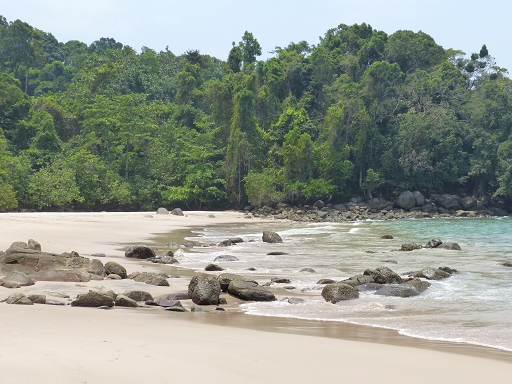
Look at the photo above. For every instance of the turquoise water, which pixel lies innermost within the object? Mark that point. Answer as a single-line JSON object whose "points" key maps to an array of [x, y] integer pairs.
{"points": [[473, 306]]}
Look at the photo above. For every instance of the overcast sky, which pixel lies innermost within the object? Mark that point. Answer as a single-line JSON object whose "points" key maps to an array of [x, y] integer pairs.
{"points": [[212, 25]]}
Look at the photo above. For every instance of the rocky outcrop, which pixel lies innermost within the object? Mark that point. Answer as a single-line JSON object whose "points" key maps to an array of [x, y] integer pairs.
{"points": [[271, 237], [204, 290], [139, 252], [339, 292]]}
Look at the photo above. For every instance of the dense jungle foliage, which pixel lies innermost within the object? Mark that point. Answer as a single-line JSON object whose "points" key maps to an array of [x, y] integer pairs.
{"points": [[360, 113]]}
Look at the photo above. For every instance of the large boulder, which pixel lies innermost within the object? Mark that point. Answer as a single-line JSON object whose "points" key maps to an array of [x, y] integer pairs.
{"points": [[93, 299], [140, 252], [151, 278], [418, 198], [96, 267], [450, 202], [125, 301], [338, 292], [204, 290], [469, 203], [390, 276], [271, 237], [115, 268], [18, 278], [406, 200], [162, 211], [250, 291], [177, 212]]}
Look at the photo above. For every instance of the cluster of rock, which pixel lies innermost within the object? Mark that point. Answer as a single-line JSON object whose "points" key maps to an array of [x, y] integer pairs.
{"points": [[164, 211], [407, 205], [433, 243], [384, 282], [205, 289], [24, 263]]}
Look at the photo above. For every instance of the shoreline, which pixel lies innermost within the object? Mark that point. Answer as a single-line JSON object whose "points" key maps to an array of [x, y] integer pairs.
{"points": [[250, 329]]}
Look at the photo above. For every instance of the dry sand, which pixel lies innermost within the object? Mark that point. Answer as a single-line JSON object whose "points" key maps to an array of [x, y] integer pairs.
{"points": [[60, 344]]}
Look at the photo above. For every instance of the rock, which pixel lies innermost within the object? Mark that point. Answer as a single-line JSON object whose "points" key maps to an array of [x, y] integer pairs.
{"points": [[163, 260], [432, 274], [398, 291], [18, 298], [19, 278], [390, 276], [93, 299], [376, 275], [308, 270], [177, 212], [319, 204], [387, 237], [222, 301], [326, 281], [162, 211], [18, 245], [188, 244], [173, 244], [410, 247], [124, 301], [114, 268], [406, 200], [419, 285], [451, 246], [271, 237], [98, 255], [433, 243], [249, 291], [96, 267], [8, 284], [295, 300], [225, 258], [279, 280], [451, 271], [220, 309], [151, 278], [338, 292], [37, 298], [277, 253], [213, 267], [340, 207], [176, 307], [236, 240], [390, 261], [211, 216], [368, 287], [63, 275], [380, 204], [32, 244], [197, 308], [226, 278], [418, 198], [506, 263], [178, 296], [139, 252], [468, 203], [204, 290], [138, 295], [225, 243], [450, 202], [113, 276]]}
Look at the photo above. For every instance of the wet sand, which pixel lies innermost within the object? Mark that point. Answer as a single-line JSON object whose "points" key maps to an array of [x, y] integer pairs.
{"points": [[50, 344]]}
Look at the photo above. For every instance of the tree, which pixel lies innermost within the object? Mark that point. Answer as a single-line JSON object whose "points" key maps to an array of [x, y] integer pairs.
{"points": [[371, 182]]}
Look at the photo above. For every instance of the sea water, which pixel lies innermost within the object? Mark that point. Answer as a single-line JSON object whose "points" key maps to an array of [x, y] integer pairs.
{"points": [[472, 306]]}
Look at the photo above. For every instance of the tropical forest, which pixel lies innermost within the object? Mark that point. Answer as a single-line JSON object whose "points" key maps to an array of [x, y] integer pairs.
{"points": [[359, 113]]}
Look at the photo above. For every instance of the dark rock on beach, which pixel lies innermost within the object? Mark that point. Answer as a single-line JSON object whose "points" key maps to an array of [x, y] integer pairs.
{"points": [[213, 267], [434, 243], [339, 292], [398, 291], [226, 278], [326, 281], [276, 253], [204, 290], [93, 299], [139, 252], [308, 270], [19, 298], [125, 301], [138, 295], [410, 246], [419, 285], [115, 268], [225, 258]]}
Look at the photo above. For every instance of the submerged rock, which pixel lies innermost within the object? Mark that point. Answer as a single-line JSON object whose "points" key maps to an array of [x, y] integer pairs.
{"points": [[271, 237], [398, 291]]}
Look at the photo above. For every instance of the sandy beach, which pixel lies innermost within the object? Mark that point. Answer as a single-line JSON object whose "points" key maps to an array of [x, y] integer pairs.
{"points": [[61, 344]]}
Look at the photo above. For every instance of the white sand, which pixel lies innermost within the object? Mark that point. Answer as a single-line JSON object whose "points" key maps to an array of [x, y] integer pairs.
{"points": [[60, 344]]}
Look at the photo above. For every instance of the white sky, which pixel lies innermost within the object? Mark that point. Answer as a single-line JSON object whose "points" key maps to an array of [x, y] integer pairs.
{"points": [[212, 25]]}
